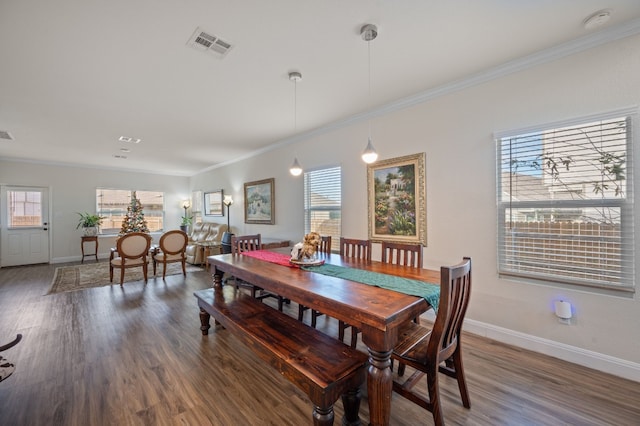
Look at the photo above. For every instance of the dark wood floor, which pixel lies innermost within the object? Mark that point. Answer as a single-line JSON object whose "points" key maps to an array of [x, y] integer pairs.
{"points": [[135, 356]]}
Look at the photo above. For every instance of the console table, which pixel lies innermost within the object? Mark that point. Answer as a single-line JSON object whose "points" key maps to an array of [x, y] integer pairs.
{"points": [[85, 239]]}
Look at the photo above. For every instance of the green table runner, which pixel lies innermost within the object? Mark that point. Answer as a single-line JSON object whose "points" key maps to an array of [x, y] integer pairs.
{"points": [[429, 291]]}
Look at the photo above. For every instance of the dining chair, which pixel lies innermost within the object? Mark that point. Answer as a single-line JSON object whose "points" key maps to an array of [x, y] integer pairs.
{"points": [[353, 249], [243, 243], [324, 247], [172, 249], [402, 254], [131, 251], [438, 349]]}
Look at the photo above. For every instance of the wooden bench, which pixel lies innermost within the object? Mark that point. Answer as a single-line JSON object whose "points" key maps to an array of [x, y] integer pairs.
{"points": [[322, 367]]}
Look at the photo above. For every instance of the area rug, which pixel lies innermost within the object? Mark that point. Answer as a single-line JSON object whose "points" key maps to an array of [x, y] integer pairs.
{"points": [[80, 277]]}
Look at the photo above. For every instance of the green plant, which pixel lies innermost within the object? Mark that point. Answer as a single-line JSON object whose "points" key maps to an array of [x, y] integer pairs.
{"points": [[88, 220], [186, 220]]}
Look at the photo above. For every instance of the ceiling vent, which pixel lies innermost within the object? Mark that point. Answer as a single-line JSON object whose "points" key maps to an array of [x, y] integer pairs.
{"points": [[129, 140], [206, 42], [5, 135]]}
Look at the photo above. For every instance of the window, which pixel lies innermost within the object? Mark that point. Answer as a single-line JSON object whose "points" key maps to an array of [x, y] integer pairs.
{"points": [[323, 203], [196, 206], [112, 205], [565, 204], [25, 209]]}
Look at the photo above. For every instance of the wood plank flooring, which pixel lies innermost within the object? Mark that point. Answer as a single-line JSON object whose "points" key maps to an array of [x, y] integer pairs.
{"points": [[135, 356]]}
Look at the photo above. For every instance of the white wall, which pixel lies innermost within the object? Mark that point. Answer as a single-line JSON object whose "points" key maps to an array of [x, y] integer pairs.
{"points": [[73, 189], [456, 133]]}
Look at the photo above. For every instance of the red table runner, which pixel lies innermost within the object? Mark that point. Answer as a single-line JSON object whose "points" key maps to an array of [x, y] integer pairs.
{"points": [[271, 256]]}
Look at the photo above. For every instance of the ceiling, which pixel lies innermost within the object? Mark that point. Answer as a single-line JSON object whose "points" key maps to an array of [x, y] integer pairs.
{"points": [[77, 75]]}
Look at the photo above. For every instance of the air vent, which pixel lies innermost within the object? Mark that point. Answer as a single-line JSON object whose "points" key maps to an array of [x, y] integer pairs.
{"points": [[122, 157], [129, 140], [5, 135], [206, 42]]}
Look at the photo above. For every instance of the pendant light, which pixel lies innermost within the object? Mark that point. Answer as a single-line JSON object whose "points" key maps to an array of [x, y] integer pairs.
{"points": [[369, 32], [296, 169]]}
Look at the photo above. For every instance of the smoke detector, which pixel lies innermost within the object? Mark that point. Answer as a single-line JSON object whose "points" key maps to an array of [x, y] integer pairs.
{"points": [[207, 42], [597, 19]]}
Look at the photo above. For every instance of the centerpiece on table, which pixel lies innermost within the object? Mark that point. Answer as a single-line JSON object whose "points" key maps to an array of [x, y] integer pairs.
{"points": [[304, 253]]}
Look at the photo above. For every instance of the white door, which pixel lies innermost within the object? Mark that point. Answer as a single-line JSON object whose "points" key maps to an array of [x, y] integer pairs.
{"points": [[24, 225]]}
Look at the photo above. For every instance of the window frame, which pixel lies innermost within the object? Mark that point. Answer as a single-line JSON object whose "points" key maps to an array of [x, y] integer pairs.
{"points": [[628, 240]]}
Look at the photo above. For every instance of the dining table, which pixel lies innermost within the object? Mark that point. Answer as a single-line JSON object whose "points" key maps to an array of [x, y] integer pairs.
{"points": [[377, 312]]}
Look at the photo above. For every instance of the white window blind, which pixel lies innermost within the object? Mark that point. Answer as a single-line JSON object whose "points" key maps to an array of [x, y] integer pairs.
{"points": [[565, 204], [323, 203]]}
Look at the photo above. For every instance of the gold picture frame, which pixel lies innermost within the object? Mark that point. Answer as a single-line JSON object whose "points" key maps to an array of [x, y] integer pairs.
{"points": [[397, 200], [260, 202]]}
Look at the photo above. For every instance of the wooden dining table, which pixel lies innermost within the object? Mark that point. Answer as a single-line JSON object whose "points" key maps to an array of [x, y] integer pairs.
{"points": [[375, 311]]}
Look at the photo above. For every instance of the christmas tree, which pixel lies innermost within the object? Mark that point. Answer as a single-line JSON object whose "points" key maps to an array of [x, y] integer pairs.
{"points": [[134, 220]]}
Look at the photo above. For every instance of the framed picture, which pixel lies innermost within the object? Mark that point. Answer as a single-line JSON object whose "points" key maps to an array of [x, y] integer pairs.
{"points": [[260, 202], [396, 200], [213, 203]]}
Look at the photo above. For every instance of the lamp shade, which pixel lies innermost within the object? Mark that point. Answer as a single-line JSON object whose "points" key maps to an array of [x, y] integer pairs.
{"points": [[227, 200], [295, 169], [369, 155]]}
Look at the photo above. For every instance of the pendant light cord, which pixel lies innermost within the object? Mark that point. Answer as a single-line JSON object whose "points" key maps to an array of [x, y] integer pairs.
{"points": [[295, 107], [370, 100]]}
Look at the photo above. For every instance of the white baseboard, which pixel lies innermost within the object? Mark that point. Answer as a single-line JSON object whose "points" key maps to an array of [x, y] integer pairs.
{"points": [[597, 361]]}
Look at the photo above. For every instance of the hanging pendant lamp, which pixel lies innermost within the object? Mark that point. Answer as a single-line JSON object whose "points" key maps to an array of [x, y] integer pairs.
{"points": [[295, 169], [369, 32]]}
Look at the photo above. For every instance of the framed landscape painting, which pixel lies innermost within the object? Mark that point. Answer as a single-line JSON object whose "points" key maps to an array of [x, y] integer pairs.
{"points": [[213, 203], [259, 202], [396, 200]]}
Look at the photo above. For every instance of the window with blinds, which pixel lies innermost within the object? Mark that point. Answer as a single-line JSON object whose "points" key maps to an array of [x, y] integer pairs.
{"points": [[112, 204], [565, 204], [323, 203]]}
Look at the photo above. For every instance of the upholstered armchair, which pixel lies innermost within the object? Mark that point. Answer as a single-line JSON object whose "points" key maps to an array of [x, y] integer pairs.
{"points": [[172, 248], [203, 232], [132, 250]]}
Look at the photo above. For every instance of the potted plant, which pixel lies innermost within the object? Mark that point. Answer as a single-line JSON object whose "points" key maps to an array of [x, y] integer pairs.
{"points": [[89, 223], [186, 222]]}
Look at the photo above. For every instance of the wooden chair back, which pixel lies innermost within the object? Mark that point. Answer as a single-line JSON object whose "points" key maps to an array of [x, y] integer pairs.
{"points": [[402, 254], [455, 289], [358, 249], [325, 244], [246, 243]]}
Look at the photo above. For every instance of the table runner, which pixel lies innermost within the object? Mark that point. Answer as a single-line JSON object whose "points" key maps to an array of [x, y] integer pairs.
{"points": [[429, 291], [271, 256]]}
